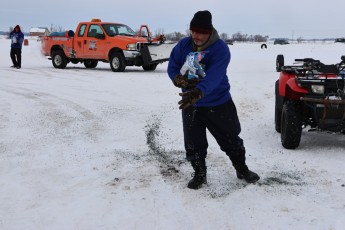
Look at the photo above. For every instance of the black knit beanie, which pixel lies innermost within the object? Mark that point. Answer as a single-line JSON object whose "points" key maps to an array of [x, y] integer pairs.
{"points": [[202, 22], [17, 27]]}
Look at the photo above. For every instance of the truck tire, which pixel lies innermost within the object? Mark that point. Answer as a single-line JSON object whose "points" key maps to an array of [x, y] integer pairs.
{"points": [[278, 108], [291, 125], [59, 59], [279, 62], [74, 61], [117, 62], [90, 64], [150, 67]]}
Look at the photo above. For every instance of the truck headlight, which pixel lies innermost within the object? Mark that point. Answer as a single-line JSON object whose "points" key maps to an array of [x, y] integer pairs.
{"points": [[318, 89], [132, 47]]}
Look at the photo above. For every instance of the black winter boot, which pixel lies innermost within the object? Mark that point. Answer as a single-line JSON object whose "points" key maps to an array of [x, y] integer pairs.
{"points": [[248, 175], [242, 171], [199, 177]]}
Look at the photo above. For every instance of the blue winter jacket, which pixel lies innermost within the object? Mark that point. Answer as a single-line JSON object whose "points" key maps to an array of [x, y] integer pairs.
{"points": [[19, 37], [215, 85]]}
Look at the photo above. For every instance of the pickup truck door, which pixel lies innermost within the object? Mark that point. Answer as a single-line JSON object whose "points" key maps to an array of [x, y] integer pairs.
{"points": [[79, 41], [95, 43], [90, 42]]}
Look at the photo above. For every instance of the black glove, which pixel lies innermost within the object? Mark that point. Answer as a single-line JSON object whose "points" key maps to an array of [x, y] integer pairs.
{"points": [[182, 81], [189, 98]]}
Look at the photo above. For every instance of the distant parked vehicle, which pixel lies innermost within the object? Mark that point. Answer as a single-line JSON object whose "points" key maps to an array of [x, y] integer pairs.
{"points": [[281, 42], [229, 41], [340, 40]]}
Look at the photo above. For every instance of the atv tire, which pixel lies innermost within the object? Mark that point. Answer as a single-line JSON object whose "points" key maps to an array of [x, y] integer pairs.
{"points": [[278, 108], [117, 62], [90, 64], [279, 62], [291, 125], [59, 59]]}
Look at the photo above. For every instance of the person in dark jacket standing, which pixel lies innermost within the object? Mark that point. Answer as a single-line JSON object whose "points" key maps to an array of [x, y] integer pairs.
{"points": [[198, 65], [17, 38]]}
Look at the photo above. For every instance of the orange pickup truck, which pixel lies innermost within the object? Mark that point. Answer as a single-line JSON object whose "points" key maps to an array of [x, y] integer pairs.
{"points": [[113, 43]]}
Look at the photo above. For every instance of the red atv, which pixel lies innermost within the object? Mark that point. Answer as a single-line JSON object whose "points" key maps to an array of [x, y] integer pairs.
{"points": [[309, 94]]}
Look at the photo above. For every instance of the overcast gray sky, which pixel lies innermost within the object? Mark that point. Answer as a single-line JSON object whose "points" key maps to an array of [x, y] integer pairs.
{"points": [[275, 18]]}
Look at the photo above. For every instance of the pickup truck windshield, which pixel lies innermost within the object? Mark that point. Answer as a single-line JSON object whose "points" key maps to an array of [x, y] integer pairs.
{"points": [[118, 29]]}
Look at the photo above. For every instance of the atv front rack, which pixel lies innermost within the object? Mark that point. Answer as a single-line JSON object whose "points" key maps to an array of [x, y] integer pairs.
{"points": [[322, 108]]}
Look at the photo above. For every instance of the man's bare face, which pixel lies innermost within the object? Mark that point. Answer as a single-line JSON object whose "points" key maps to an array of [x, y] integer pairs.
{"points": [[199, 39]]}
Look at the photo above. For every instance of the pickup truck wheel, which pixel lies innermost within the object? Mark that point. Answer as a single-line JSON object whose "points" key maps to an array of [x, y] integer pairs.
{"points": [[291, 125], [150, 67], [117, 62], [90, 64], [74, 61], [59, 59]]}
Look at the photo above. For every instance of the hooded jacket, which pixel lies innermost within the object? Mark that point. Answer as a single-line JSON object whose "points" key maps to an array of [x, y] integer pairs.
{"points": [[17, 38], [215, 85]]}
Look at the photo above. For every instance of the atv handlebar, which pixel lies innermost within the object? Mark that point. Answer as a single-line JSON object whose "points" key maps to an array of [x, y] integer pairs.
{"points": [[309, 64], [307, 60]]}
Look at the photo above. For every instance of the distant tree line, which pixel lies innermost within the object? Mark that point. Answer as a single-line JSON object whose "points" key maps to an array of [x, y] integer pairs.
{"points": [[239, 37], [176, 36], [249, 38], [55, 28]]}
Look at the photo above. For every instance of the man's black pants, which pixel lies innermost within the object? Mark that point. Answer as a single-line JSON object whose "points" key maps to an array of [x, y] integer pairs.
{"points": [[221, 121], [16, 56]]}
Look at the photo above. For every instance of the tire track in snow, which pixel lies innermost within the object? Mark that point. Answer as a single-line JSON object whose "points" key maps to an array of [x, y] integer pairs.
{"points": [[61, 117]]}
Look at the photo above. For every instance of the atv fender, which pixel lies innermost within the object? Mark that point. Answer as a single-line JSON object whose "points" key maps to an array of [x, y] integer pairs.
{"points": [[283, 78], [293, 91], [292, 84]]}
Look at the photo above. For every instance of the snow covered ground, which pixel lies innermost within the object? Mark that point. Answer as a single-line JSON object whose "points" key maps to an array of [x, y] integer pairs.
{"points": [[93, 149]]}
